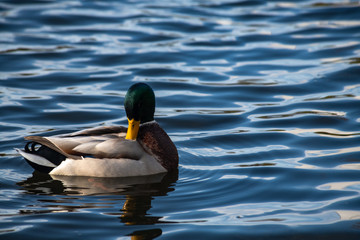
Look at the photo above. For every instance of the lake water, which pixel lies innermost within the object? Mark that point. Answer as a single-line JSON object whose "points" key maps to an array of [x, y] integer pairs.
{"points": [[261, 98]]}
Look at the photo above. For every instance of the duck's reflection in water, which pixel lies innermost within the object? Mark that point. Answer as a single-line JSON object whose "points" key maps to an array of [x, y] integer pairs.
{"points": [[134, 194]]}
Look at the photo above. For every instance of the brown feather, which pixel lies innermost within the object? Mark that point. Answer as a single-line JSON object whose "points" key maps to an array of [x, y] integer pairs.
{"points": [[156, 141], [99, 131]]}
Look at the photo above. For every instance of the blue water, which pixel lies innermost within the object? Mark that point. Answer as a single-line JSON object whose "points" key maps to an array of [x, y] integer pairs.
{"points": [[261, 99]]}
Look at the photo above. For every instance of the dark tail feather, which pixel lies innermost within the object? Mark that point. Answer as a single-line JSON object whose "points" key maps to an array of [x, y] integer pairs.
{"points": [[40, 157]]}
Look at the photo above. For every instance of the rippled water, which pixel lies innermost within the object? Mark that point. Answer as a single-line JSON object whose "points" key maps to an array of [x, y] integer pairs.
{"points": [[260, 97]]}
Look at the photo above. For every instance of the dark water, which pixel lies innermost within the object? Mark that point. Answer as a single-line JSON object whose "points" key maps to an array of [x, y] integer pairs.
{"points": [[261, 99]]}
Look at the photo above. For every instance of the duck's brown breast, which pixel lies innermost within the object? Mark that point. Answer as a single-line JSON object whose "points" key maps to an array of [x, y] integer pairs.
{"points": [[156, 141]]}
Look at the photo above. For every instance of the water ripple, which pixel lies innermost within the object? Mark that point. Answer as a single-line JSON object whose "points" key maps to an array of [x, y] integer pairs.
{"points": [[260, 97]]}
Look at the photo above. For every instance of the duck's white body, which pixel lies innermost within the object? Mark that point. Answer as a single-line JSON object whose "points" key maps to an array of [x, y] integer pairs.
{"points": [[138, 162], [104, 167], [99, 152], [109, 167]]}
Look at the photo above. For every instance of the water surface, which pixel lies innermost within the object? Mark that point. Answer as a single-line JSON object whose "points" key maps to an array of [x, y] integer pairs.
{"points": [[261, 99]]}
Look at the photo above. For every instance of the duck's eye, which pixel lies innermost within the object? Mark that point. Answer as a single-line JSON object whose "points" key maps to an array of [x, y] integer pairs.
{"points": [[140, 105]]}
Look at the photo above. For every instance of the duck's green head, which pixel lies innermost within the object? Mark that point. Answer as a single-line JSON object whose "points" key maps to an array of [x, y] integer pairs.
{"points": [[139, 107]]}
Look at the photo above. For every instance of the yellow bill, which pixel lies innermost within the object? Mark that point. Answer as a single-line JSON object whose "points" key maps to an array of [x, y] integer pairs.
{"points": [[133, 129]]}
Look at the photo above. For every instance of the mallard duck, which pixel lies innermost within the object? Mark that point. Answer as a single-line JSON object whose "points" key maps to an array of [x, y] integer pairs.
{"points": [[143, 148]]}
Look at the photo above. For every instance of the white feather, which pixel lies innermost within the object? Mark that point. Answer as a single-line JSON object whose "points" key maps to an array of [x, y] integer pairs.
{"points": [[109, 167]]}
